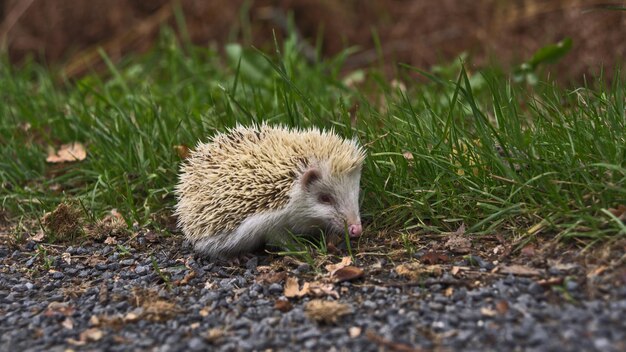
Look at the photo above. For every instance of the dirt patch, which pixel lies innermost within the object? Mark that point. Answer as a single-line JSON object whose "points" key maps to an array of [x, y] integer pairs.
{"points": [[419, 33]]}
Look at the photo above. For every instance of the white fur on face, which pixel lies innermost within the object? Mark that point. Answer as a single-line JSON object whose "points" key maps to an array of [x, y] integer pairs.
{"points": [[310, 213]]}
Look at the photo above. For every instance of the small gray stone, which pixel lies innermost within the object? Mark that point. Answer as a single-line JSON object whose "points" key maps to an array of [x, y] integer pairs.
{"points": [[275, 289], [57, 275], [196, 344], [141, 269]]}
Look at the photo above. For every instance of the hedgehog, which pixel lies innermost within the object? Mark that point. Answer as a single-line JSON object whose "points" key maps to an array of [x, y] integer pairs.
{"points": [[250, 186]]}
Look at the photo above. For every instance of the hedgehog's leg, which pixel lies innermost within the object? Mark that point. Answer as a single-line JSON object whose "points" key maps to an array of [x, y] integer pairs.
{"points": [[253, 232]]}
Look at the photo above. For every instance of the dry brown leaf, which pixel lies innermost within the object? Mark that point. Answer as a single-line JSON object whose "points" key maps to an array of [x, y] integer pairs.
{"points": [[66, 257], [132, 317], [455, 270], [415, 270], [110, 241], [271, 277], [432, 257], [502, 307], [214, 334], [347, 273], [292, 288], [529, 250], [182, 151], [488, 312], [67, 153], [449, 291], [520, 270], [39, 237], [619, 212], [283, 306], [319, 289], [159, 310], [58, 308], [92, 334], [458, 243], [185, 280], [326, 311], [205, 311], [94, 320], [332, 268]]}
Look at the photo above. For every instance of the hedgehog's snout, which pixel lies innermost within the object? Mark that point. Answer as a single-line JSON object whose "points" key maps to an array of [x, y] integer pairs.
{"points": [[355, 230]]}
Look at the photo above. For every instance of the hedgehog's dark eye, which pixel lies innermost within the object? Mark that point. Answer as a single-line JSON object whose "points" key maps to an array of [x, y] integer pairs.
{"points": [[325, 198]]}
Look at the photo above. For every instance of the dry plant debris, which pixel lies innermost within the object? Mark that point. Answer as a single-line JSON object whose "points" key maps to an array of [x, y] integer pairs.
{"points": [[327, 312], [65, 222], [415, 270], [67, 153]]}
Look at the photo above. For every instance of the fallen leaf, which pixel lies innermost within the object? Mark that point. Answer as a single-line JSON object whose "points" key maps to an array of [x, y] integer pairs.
{"points": [[433, 257], [458, 243], [132, 317], [347, 273], [455, 270], [110, 240], [214, 334], [529, 250], [152, 237], [66, 257], [92, 334], [39, 236], [389, 345], [271, 277], [449, 291], [332, 268], [194, 325], [94, 320], [502, 307], [354, 332], [55, 308], [488, 312], [326, 311], [619, 212], [67, 153], [520, 270], [159, 310], [283, 306], [182, 151], [292, 288], [415, 270], [204, 312], [318, 289]]}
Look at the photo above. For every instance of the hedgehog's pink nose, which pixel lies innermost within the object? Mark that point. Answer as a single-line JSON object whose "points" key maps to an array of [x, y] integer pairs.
{"points": [[355, 230]]}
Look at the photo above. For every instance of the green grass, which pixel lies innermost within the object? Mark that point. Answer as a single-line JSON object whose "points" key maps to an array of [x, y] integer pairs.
{"points": [[480, 149]]}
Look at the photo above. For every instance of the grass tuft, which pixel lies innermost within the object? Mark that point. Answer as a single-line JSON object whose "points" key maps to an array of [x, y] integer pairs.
{"points": [[474, 148]]}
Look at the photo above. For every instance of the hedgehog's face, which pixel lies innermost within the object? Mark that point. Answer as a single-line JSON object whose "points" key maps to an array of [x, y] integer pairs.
{"points": [[330, 202]]}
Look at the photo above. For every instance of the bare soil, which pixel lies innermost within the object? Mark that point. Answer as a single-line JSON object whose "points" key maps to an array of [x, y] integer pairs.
{"points": [[420, 33]]}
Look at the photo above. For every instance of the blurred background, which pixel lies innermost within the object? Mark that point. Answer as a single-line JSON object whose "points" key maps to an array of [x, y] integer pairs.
{"points": [[67, 33]]}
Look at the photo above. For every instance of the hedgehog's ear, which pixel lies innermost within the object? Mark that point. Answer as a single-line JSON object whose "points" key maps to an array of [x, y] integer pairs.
{"points": [[311, 175]]}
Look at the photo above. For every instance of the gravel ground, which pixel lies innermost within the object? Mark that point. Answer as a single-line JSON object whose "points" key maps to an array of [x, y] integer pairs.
{"points": [[153, 294]]}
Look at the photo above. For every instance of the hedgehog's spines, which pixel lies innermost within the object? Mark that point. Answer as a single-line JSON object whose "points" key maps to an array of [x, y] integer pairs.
{"points": [[246, 171]]}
